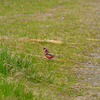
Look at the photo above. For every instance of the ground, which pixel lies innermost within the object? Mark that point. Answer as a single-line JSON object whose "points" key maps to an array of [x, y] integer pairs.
{"points": [[70, 29]]}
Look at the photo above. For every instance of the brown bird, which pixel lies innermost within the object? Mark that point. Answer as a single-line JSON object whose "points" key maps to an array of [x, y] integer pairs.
{"points": [[48, 54]]}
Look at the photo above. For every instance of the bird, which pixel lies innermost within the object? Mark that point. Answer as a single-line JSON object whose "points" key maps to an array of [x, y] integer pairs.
{"points": [[48, 54]]}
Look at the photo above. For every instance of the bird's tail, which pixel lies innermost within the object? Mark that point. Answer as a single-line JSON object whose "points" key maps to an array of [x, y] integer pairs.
{"points": [[56, 56]]}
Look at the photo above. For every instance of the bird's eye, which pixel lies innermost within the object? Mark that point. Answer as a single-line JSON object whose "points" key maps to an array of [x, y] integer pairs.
{"points": [[45, 49]]}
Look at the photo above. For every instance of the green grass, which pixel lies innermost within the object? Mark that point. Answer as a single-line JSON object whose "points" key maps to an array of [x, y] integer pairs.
{"points": [[22, 68], [24, 72]]}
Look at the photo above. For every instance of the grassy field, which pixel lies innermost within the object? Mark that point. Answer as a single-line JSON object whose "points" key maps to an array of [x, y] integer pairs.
{"points": [[68, 28]]}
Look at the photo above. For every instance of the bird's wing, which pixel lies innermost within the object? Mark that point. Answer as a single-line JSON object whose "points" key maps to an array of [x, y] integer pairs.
{"points": [[49, 54]]}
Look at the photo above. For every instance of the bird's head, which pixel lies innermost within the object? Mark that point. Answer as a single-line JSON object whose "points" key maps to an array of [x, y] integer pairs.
{"points": [[45, 49]]}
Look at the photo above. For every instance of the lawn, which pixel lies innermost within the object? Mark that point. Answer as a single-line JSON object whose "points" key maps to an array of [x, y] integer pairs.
{"points": [[68, 28]]}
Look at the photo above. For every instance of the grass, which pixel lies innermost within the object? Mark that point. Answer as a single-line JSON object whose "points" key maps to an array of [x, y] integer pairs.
{"points": [[30, 69], [24, 72]]}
